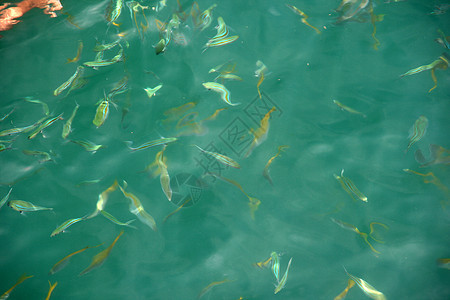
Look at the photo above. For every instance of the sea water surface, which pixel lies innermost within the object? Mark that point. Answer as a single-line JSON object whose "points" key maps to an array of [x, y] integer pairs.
{"points": [[215, 237]]}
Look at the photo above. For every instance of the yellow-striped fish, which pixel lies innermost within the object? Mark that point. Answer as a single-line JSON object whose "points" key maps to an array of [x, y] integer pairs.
{"points": [[221, 42], [266, 173], [67, 128], [100, 258], [88, 146], [65, 225], [44, 105], [205, 18], [115, 221], [44, 125], [101, 113], [221, 158], [283, 280], [103, 199], [211, 285], [164, 176], [350, 187], [222, 90], [152, 91], [367, 288], [260, 134], [78, 73], [21, 279], [137, 209], [50, 290], [417, 131], [349, 109], [342, 295], [222, 30], [113, 11], [25, 206], [4, 199], [77, 57], [304, 17], [154, 143]]}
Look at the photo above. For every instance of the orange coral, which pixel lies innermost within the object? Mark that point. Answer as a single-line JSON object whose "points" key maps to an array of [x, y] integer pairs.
{"points": [[9, 14]]}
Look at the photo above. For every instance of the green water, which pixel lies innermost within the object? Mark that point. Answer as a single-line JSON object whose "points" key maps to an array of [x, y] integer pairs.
{"points": [[213, 237]]}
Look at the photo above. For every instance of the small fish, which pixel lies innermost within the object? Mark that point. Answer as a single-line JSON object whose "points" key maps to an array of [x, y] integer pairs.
{"points": [[21, 279], [160, 47], [154, 143], [275, 265], [342, 295], [4, 199], [134, 7], [24, 206], [50, 290], [205, 18], [67, 128], [211, 285], [228, 77], [444, 263], [103, 199], [164, 176], [44, 125], [104, 47], [100, 258], [263, 264], [178, 208], [349, 109], [442, 63], [88, 182], [364, 235], [417, 131], [104, 63], [222, 30], [44, 105], [3, 147], [65, 261], [78, 73], [89, 146], [63, 227], [221, 158], [119, 88], [283, 280], [214, 115], [7, 115], [45, 155], [434, 180], [304, 17], [222, 90], [137, 209], [350, 187], [77, 57], [438, 155], [261, 79], [253, 202], [225, 68], [260, 134], [266, 173], [220, 42], [114, 219], [101, 114], [113, 11], [16, 130], [152, 91], [262, 68], [369, 290]]}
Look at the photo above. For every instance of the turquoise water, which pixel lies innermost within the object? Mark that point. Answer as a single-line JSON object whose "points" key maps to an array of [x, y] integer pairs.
{"points": [[213, 237]]}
